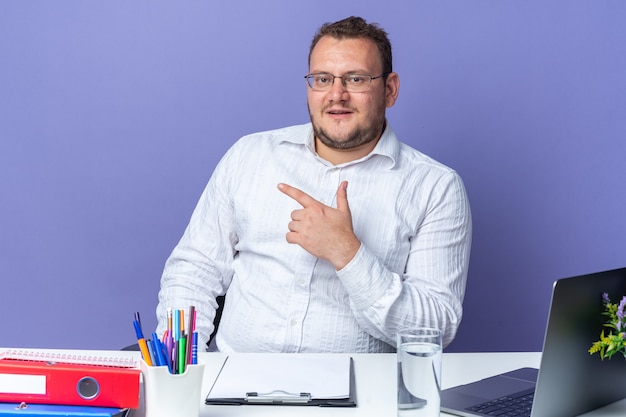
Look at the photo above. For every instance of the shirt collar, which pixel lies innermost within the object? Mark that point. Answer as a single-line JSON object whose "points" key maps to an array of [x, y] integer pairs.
{"points": [[387, 147]]}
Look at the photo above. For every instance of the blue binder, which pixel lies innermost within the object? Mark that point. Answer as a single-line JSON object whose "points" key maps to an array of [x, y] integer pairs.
{"points": [[45, 410]]}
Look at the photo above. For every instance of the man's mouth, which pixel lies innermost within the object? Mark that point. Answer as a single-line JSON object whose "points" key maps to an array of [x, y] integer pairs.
{"points": [[339, 111]]}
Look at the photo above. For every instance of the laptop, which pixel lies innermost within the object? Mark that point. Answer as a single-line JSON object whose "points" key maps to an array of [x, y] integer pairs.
{"points": [[569, 381]]}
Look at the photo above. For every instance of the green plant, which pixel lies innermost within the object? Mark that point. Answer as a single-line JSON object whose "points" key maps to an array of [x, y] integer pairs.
{"points": [[615, 341]]}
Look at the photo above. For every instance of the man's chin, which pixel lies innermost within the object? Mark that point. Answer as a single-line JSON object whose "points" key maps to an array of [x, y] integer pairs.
{"points": [[334, 138], [340, 142]]}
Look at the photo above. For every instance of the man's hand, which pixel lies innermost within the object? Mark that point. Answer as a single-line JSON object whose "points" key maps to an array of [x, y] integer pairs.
{"points": [[323, 231]]}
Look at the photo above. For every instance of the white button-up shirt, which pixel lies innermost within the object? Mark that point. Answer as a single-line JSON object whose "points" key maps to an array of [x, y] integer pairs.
{"points": [[410, 212]]}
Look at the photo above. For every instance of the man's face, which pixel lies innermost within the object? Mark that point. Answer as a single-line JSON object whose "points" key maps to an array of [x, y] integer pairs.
{"points": [[347, 120]]}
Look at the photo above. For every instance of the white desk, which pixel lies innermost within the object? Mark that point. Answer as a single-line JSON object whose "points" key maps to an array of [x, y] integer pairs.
{"points": [[375, 383]]}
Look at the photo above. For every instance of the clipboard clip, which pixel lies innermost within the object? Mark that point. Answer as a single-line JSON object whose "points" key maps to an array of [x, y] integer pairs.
{"points": [[278, 396]]}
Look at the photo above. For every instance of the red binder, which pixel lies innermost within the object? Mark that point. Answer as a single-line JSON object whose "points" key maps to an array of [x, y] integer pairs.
{"points": [[67, 383]]}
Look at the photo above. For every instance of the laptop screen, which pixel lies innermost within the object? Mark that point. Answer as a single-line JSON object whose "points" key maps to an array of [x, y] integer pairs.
{"points": [[571, 381]]}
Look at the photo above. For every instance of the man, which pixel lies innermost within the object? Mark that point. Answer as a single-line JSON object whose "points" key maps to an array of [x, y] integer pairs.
{"points": [[329, 236]]}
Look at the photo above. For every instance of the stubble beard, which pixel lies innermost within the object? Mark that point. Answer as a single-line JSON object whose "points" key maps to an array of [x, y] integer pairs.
{"points": [[358, 137]]}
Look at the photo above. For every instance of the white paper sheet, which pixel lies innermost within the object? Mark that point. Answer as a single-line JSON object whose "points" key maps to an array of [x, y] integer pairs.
{"points": [[321, 376]]}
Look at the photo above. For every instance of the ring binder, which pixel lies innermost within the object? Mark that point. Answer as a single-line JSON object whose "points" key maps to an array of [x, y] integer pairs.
{"points": [[59, 382], [278, 396], [40, 410]]}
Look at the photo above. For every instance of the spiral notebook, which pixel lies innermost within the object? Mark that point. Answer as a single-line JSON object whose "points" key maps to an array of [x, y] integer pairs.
{"points": [[70, 357]]}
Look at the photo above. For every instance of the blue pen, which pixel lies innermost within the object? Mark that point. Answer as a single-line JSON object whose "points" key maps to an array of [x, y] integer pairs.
{"points": [[159, 350], [176, 326], [194, 348], [153, 357], [143, 346], [167, 354]]}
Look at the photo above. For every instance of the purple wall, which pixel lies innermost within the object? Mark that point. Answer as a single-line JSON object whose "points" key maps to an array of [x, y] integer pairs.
{"points": [[113, 115]]}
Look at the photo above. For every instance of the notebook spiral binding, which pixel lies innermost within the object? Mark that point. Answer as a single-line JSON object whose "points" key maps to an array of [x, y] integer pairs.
{"points": [[73, 358]]}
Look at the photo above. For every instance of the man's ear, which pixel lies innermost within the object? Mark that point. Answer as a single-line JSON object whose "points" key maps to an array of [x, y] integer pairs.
{"points": [[392, 88]]}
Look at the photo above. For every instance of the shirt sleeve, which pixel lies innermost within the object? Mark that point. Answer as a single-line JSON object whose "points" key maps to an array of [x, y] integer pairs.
{"points": [[430, 291], [200, 267]]}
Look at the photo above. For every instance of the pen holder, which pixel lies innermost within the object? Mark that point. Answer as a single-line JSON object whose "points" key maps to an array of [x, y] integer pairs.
{"points": [[169, 395]]}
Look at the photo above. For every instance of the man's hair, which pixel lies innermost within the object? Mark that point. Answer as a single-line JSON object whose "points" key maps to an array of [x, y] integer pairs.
{"points": [[357, 28]]}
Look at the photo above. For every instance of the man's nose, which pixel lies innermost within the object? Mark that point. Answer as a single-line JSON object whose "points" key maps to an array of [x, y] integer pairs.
{"points": [[338, 90]]}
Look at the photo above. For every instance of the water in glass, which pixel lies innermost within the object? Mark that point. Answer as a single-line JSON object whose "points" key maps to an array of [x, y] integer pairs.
{"points": [[419, 375]]}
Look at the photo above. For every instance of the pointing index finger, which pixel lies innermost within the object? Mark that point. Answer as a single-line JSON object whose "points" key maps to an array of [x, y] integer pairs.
{"points": [[300, 196]]}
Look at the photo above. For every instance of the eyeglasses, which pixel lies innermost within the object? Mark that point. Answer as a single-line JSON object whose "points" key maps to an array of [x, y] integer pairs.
{"points": [[354, 83]]}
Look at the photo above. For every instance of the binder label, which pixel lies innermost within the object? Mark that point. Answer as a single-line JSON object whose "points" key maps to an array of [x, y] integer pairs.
{"points": [[23, 384]]}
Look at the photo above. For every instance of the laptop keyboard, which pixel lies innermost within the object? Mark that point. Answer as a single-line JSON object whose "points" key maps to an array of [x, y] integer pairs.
{"points": [[506, 406]]}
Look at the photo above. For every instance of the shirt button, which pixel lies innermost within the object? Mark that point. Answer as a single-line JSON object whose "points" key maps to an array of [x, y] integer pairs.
{"points": [[294, 322]]}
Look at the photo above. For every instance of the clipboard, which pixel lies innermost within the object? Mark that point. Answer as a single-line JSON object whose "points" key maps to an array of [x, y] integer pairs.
{"points": [[295, 380]]}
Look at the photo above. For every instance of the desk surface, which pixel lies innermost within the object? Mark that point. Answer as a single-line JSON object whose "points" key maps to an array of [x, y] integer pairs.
{"points": [[375, 383]]}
